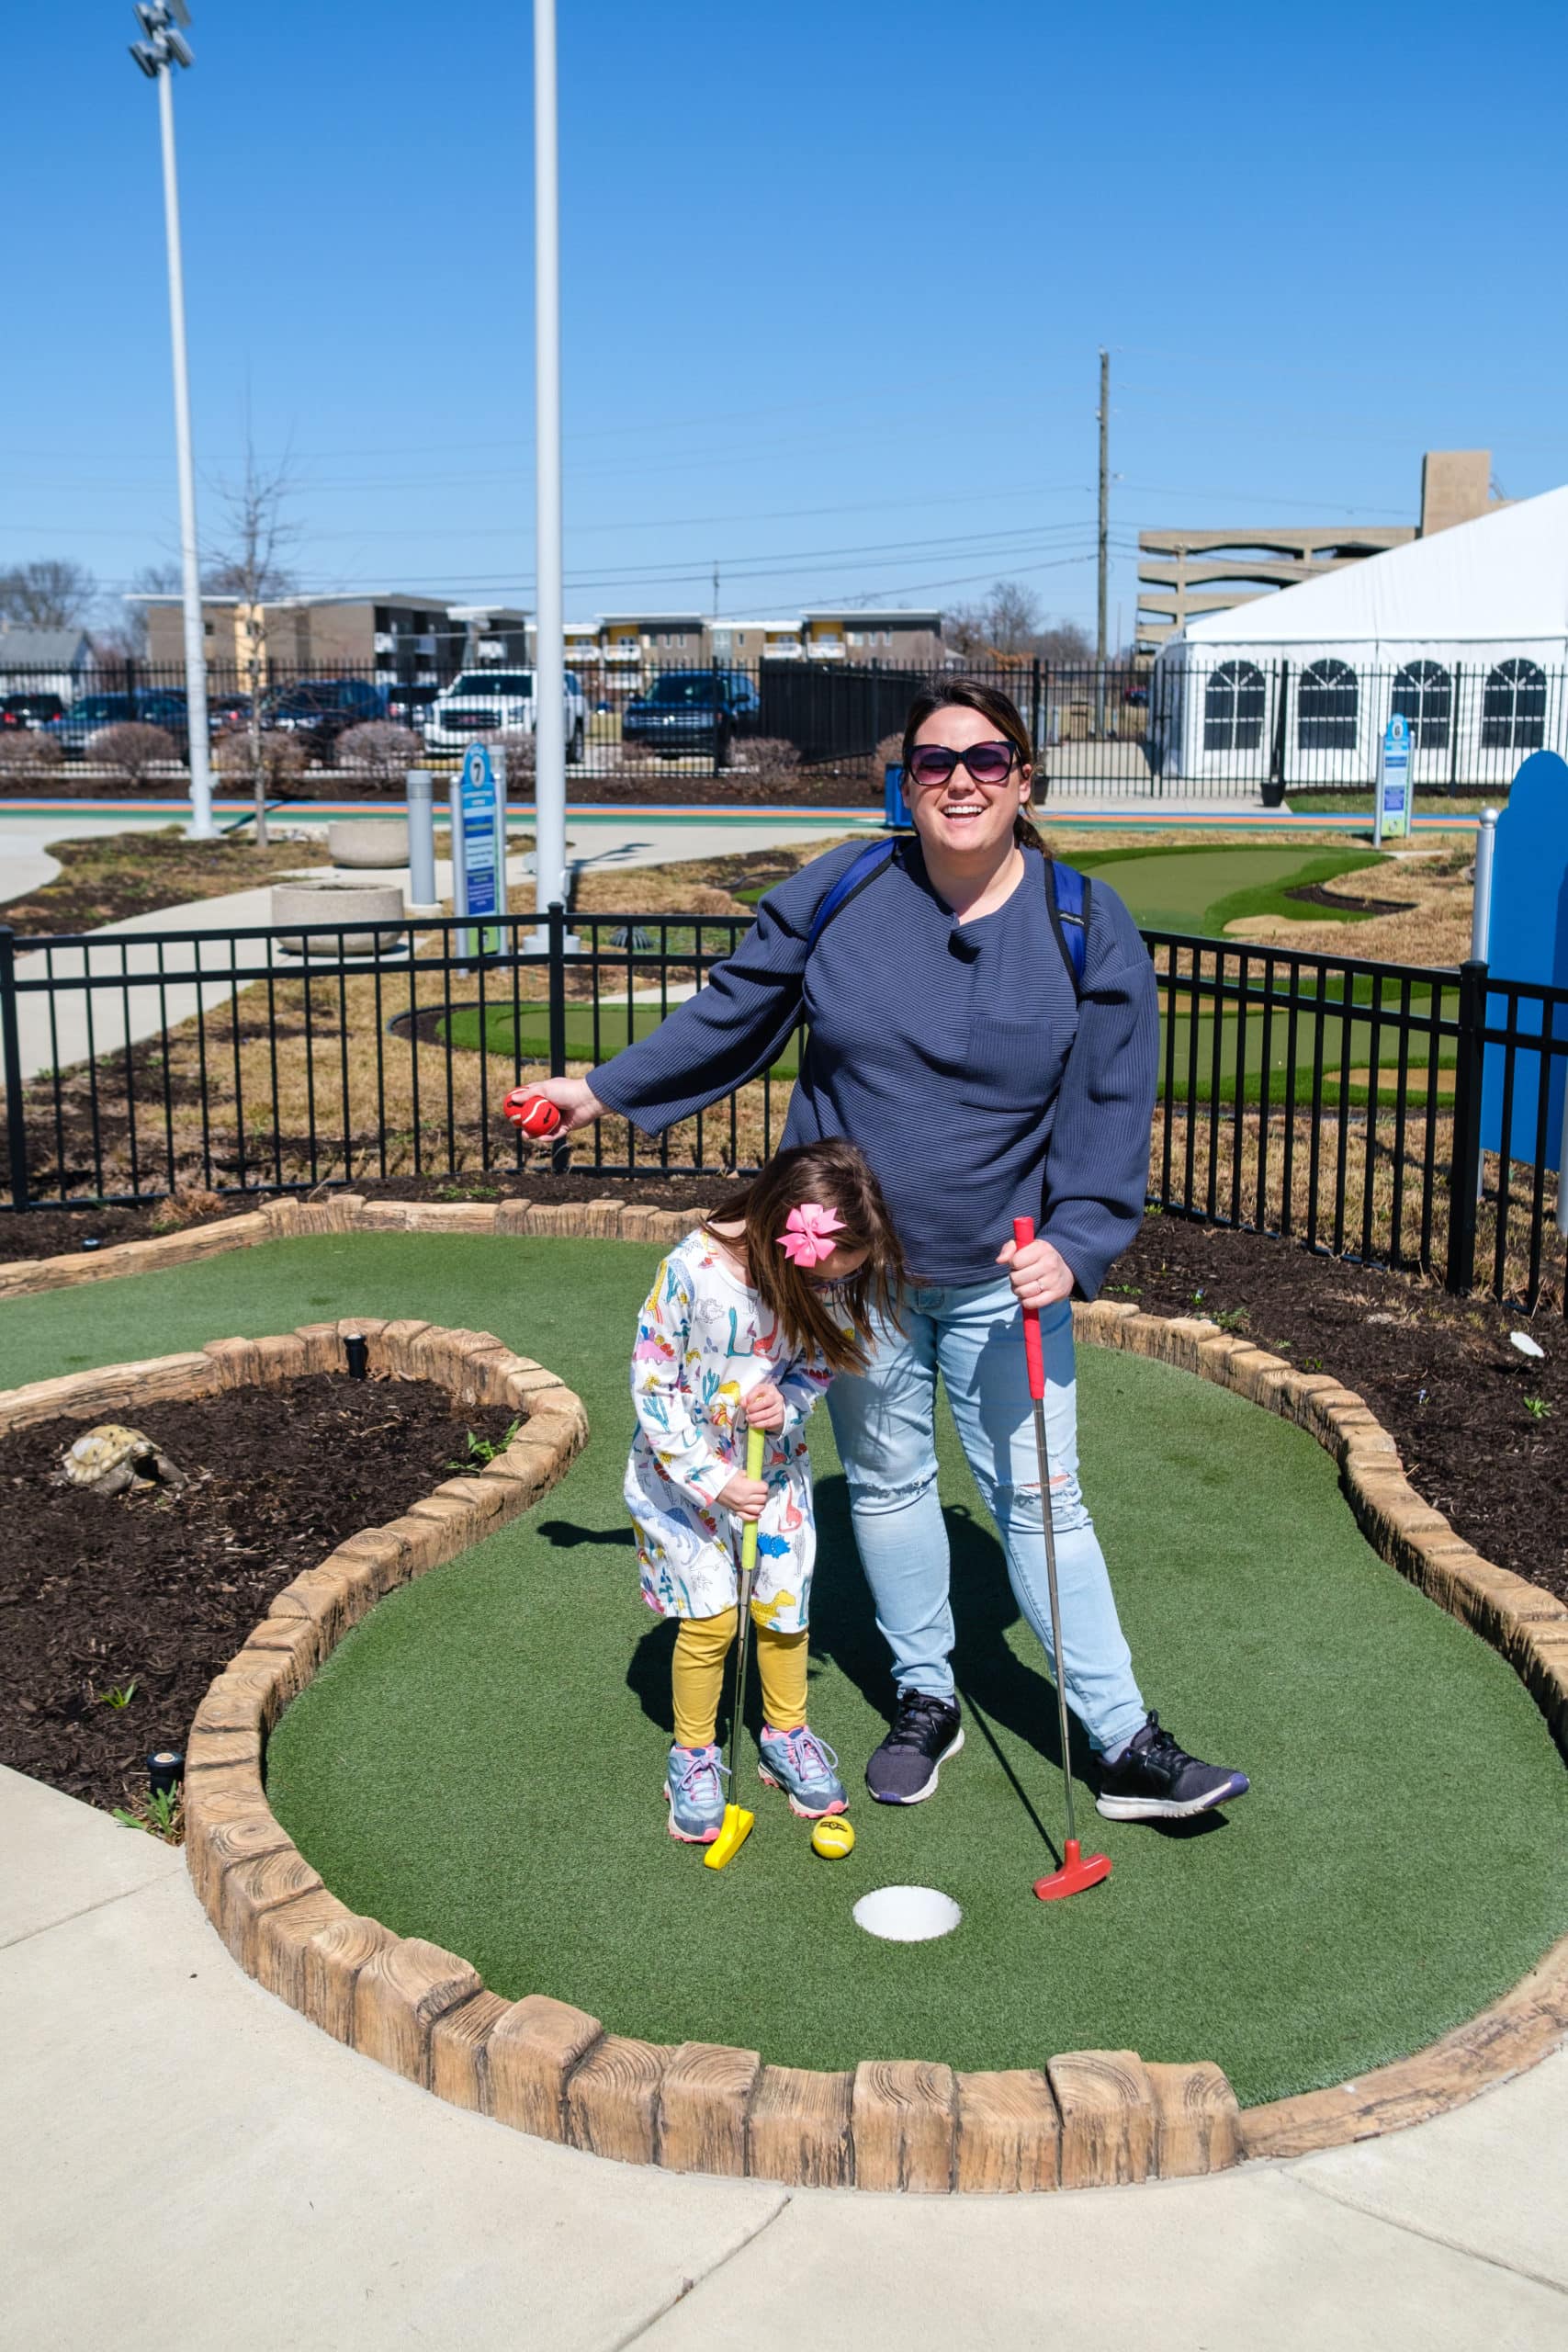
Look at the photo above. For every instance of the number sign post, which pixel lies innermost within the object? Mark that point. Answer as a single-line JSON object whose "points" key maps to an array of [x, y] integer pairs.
{"points": [[479, 849], [1392, 820]]}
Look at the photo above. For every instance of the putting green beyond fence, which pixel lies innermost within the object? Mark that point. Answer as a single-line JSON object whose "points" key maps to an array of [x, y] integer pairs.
{"points": [[481, 1762]]}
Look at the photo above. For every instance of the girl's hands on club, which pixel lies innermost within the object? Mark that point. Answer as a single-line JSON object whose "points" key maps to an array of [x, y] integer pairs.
{"points": [[743, 1496], [573, 1098], [765, 1408], [1040, 1274]]}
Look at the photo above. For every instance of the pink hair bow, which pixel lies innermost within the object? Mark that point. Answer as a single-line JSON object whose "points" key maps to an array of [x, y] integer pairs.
{"points": [[808, 1237]]}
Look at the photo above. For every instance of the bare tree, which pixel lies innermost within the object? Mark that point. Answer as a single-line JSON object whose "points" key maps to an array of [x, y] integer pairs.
{"points": [[50, 592], [1006, 626], [251, 567]]}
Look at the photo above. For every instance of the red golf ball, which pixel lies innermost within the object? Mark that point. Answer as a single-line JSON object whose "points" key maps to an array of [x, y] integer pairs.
{"points": [[534, 1114]]}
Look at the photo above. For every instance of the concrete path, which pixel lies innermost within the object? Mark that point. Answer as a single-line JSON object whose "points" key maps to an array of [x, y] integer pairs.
{"points": [[189, 2163]]}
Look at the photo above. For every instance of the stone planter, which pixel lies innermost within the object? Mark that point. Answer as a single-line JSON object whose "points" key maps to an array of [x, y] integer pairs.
{"points": [[341, 899], [378, 843]]}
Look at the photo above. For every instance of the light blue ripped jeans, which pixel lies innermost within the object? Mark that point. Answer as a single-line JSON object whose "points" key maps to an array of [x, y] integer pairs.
{"points": [[882, 1420]]}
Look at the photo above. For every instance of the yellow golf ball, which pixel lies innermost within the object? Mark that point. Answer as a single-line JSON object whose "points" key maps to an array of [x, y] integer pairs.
{"points": [[833, 1837]]}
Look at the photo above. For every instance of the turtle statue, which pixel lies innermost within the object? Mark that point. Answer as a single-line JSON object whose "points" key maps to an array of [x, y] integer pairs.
{"points": [[112, 1458]]}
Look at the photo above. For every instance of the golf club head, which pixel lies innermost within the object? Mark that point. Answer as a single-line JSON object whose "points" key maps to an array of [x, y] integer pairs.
{"points": [[1077, 1871], [732, 1836]]}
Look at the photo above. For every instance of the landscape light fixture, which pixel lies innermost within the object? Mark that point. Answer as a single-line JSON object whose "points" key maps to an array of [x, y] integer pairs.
{"points": [[165, 48]]}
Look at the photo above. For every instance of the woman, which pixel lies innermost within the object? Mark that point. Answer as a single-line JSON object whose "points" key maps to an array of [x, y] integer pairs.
{"points": [[952, 1039]]}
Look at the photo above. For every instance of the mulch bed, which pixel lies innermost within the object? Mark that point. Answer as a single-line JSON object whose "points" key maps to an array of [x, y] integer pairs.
{"points": [[161, 1588]]}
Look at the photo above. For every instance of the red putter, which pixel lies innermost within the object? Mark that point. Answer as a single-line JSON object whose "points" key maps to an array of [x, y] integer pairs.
{"points": [[1077, 1872], [534, 1114]]}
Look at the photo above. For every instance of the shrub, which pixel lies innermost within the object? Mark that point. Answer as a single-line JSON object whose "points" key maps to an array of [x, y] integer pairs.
{"points": [[770, 755], [889, 753], [25, 752], [283, 757], [380, 752], [522, 760], [132, 750]]}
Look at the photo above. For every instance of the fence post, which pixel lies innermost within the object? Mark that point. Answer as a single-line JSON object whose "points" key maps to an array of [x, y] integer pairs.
{"points": [[10, 1044], [1464, 1160], [560, 1152]]}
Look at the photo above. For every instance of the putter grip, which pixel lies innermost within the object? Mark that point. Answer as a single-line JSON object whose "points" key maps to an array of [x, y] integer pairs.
{"points": [[1023, 1235], [753, 1470]]}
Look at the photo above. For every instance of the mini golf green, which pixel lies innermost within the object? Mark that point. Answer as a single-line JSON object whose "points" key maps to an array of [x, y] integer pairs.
{"points": [[481, 1762]]}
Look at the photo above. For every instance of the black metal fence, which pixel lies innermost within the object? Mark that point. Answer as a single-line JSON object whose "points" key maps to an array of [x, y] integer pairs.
{"points": [[1362, 1108], [1215, 729]]}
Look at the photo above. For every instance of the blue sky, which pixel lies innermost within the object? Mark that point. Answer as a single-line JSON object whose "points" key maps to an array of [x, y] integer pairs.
{"points": [[835, 277]]}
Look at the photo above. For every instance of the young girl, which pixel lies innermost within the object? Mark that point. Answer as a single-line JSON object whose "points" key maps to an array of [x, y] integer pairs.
{"points": [[746, 1324]]}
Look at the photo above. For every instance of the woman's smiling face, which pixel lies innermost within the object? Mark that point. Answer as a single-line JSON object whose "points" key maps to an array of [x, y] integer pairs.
{"points": [[959, 817]]}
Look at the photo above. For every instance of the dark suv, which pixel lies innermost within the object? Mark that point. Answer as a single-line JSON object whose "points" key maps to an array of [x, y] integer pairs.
{"points": [[321, 709], [31, 711], [687, 710]]}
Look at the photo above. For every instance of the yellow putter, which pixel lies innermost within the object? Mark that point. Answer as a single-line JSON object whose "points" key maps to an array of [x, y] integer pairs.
{"points": [[737, 1824]]}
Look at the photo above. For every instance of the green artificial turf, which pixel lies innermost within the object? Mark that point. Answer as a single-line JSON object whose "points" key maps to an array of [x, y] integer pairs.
{"points": [[1199, 888], [481, 1762]]}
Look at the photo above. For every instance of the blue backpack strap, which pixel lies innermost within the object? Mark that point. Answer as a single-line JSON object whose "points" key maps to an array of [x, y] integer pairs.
{"points": [[1067, 891], [855, 875]]}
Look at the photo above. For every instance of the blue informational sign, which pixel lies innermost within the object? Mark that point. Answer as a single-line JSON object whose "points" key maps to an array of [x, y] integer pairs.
{"points": [[1393, 822], [1529, 942], [479, 847]]}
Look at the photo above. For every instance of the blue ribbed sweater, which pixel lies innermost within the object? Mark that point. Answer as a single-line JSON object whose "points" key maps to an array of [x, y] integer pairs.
{"points": [[953, 1053]]}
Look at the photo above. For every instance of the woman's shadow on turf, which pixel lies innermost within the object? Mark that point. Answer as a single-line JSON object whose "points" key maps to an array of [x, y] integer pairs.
{"points": [[995, 1688]]}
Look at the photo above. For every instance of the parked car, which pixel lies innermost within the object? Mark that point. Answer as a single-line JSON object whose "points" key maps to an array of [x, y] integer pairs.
{"points": [[687, 710], [321, 709], [488, 702], [411, 706], [31, 711], [88, 713], [225, 712]]}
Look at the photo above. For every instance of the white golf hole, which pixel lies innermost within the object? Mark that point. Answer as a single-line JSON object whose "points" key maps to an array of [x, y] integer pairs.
{"points": [[907, 1915]]}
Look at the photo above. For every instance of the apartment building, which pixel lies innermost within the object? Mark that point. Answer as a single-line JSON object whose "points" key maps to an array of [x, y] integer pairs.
{"points": [[406, 641]]}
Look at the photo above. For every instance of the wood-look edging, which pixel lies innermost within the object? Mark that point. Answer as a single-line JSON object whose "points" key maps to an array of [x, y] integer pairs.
{"points": [[1083, 2118]]}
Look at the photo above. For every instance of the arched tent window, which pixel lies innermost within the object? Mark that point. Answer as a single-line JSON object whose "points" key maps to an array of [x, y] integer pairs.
{"points": [[1424, 698], [1326, 708], [1233, 709], [1513, 709]]}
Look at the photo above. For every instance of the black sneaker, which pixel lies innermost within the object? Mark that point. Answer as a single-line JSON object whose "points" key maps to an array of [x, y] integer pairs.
{"points": [[1152, 1780], [906, 1767]]}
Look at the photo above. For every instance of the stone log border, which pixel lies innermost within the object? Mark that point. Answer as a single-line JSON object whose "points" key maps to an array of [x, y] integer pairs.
{"points": [[1084, 2118]]}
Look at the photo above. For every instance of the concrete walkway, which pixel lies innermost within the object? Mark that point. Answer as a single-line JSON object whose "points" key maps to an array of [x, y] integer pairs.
{"points": [[187, 2162]]}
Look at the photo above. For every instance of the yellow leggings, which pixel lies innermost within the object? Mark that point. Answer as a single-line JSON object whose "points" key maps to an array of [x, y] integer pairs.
{"points": [[701, 1647]]}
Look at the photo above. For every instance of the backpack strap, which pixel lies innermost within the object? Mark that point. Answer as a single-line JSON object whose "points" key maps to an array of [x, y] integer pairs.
{"points": [[1066, 892], [854, 877], [1066, 895]]}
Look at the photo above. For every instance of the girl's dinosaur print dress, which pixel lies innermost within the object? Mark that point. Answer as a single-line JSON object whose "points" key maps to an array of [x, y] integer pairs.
{"points": [[702, 1344]]}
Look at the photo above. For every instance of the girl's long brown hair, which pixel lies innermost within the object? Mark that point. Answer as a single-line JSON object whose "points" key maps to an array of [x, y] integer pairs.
{"points": [[834, 1174], [968, 694]]}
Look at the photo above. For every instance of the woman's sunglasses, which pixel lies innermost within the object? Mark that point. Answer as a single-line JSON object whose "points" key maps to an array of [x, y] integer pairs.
{"points": [[987, 763]]}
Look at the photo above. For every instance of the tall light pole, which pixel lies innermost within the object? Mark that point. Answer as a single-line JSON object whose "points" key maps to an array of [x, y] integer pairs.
{"points": [[549, 635], [165, 48]]}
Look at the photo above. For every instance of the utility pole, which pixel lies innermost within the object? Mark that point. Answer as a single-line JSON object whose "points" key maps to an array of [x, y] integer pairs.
{"points": [[1104, 535], [163, 49], [1104, 492], [716, 587], [549, 647]]}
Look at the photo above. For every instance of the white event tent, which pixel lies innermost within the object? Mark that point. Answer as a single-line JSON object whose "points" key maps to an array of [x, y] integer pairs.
{"points": [[1465, 633]]}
